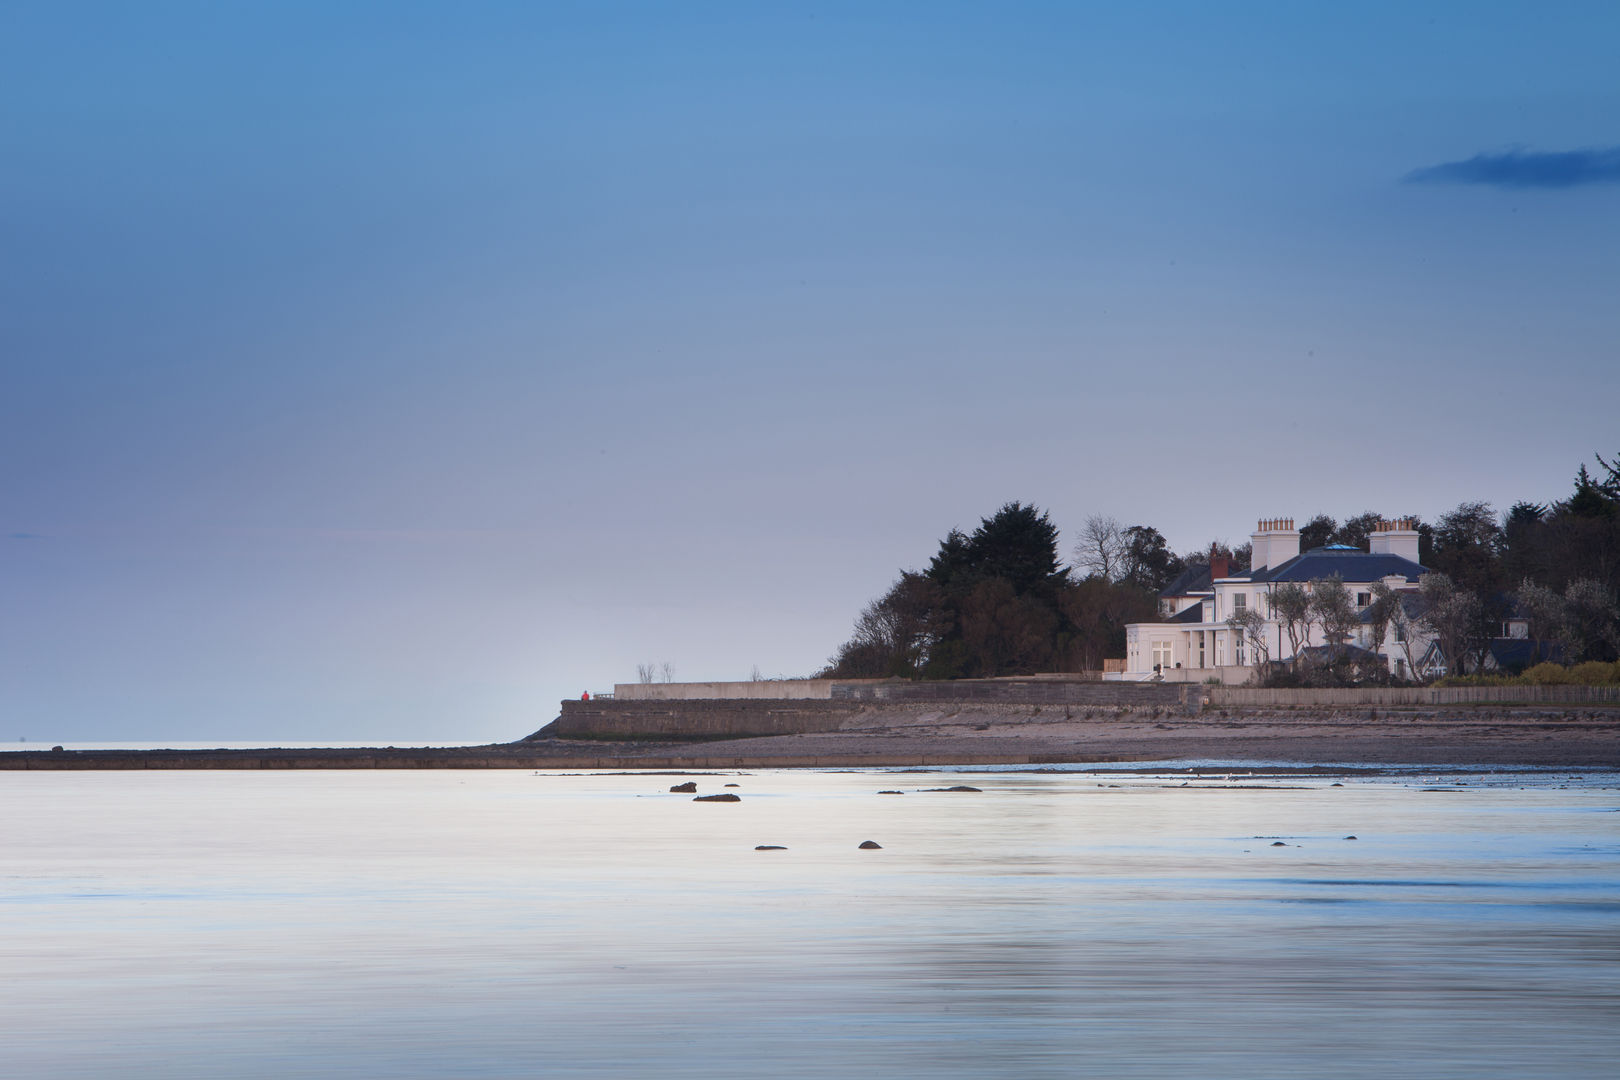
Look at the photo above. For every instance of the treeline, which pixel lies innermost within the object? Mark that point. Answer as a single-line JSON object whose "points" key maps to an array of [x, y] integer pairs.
{"points": [[998, 601]]}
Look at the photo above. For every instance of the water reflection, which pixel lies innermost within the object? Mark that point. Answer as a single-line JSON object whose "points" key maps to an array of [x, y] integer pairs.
{"points": [[497, 924]]}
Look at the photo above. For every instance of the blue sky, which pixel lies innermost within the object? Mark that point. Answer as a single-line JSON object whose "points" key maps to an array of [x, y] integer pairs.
{"points": [[391, 371]]}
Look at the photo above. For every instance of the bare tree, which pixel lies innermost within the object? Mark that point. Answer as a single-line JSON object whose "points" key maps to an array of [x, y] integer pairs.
{"points": [[1334, 613], [1291, 604], [668, 671], [1102, 548], [1408, 630], [1385, 602], [1451, 614], [1252, 625], [645, 673]]}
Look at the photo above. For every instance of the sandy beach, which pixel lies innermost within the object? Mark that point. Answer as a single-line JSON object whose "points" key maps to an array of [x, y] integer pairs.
{"points": [[1568, 737]]}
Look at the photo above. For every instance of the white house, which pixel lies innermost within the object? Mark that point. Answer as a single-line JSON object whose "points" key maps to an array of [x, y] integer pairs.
{"points": [[1193, 643]]}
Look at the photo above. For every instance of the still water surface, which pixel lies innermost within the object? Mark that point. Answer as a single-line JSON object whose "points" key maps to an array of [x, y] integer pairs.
{"points": [[507, 924]]}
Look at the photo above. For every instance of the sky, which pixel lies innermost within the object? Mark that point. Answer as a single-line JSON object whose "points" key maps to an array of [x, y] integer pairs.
{"points": [[387, 372]]}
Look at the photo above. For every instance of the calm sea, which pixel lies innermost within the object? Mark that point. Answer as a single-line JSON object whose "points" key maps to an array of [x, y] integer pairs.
{"points": [[508, 924]]}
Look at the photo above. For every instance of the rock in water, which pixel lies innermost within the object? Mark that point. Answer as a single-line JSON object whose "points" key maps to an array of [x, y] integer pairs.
{"points": [[688, 788], [958, 787], [1279, 843], [769, 847], [891, 793], [733, 785], [1349, 838], [871, 845], [726, 797]]}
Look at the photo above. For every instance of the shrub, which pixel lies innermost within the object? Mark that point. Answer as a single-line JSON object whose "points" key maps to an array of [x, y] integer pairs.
{"points": [[1548, 673], [1595, 673]]}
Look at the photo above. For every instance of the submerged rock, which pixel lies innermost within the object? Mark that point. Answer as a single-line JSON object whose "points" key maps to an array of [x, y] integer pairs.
{"points": [[726, 797], [689, 787], [870, 845]]}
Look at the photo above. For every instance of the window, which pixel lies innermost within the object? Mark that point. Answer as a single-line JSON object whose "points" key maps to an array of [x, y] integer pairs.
{"points": [[1161, 655], [1400, 635], [1363, 599], [1240, 601]]}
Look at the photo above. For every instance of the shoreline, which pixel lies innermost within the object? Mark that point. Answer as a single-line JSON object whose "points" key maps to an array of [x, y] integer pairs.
{"points": [[929, 736]]}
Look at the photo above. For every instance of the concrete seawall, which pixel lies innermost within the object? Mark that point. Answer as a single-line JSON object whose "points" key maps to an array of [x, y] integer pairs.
{"points": [[698, 718]]}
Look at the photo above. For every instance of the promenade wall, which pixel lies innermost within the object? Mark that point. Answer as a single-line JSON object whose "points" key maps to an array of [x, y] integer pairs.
{"points": [[715, 718], [1034, 691], [755, 690], [723, 718]]}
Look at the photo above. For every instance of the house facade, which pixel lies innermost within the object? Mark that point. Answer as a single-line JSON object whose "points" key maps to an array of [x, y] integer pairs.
{"points": [[1193, 642]]}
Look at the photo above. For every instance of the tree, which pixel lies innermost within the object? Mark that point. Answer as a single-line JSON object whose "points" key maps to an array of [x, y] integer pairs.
{"points": [[1101, 548], [1252, 625], [1593, 620], [1380, 613], [1291, 605], [1524, 552], [645, 673], [894, 634], [1149, 562], [1452, 616], [1584, 621], [1095, 613], [1332, 609], [1017, 543], [1408, 630], [1005, 633], [1468, 546], [1317, 532], [1355, 531]]}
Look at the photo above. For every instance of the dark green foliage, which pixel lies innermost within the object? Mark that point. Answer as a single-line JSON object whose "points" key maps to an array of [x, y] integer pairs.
{"points": [[1354, 531], [1317, 532], [1149, 563], [996, 602], [1018, 544]]}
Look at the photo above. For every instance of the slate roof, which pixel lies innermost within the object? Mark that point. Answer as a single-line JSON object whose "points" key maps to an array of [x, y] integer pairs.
{"points": [[1519, 653], [1352, 566], [1194, 614], [1411, 602], [1196, 579], [1193, 579]]}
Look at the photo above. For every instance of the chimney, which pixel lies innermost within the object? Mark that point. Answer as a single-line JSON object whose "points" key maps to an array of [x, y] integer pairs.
{"points": [[1398, 537], [1218, 564], [1274, 542]]}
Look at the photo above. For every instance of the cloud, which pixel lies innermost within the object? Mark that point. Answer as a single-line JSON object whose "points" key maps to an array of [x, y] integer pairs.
{"points": [[1524, 169], [24, 536]]}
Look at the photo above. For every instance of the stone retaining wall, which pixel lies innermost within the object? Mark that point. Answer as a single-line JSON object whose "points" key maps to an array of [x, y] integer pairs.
{"points": [[718, 718], [699, 719]]}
